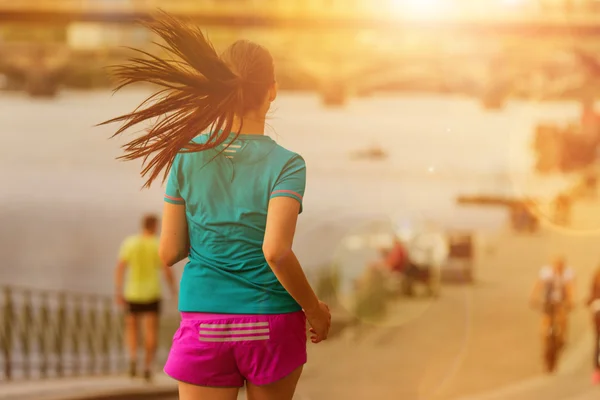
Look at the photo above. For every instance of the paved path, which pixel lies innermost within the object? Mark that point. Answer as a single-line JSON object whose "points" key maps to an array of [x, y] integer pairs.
{"points": [[85, 388], [474, 343], [479, 342]]}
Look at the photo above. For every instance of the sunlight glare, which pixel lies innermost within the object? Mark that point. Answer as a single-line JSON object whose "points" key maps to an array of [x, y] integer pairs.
{"points": [[420, 8]]}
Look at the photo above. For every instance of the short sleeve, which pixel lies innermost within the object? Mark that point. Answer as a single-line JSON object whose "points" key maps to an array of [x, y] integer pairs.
{"points": [[125, 251], [172, 193], [292, 180]]}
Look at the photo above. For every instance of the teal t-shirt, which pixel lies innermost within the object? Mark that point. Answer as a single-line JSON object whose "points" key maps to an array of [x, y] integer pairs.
{"points": [[226, 198]]}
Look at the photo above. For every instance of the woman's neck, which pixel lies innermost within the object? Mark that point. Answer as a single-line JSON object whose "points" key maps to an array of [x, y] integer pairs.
{"points": [[251, 126]]}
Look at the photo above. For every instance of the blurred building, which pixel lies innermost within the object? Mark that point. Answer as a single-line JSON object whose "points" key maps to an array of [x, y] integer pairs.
{"points": [[569, 5], [80, 35], [310, 54], [87, 35]]}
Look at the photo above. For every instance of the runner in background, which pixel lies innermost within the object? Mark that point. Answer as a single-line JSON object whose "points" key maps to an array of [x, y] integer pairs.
{"points": [[553, 291], [140, 293]]}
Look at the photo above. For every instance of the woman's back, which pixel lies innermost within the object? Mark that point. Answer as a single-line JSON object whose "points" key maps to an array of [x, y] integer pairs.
{"points": [[226, 195]]}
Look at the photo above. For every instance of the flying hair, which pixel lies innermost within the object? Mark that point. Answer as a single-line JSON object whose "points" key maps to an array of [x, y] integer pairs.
{"points": [[199, 92]]}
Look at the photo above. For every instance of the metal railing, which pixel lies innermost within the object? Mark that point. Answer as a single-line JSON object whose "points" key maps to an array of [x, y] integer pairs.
{"points": [[49, 334]]}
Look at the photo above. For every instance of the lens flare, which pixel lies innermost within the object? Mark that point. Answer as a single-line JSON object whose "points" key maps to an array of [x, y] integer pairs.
{"points": [[421, 8]]}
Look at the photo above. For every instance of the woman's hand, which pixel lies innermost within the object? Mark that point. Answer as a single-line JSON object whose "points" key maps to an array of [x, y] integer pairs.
{"points": [[319, 319]]}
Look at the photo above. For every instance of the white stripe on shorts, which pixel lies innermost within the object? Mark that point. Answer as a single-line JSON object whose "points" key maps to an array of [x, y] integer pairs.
{"points": [[232, 339], [239, 325], [235, 332], [230, 332]]}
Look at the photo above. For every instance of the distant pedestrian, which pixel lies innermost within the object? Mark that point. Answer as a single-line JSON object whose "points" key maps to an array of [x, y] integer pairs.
{"points": [[397, 257], [140, 293]]}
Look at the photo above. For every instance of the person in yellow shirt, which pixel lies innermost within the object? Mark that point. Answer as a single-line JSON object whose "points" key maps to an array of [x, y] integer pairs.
{"points": [[141, 294]]}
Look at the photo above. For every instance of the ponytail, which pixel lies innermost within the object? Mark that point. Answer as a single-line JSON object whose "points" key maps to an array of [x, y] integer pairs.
{"points": [[199, 92]]}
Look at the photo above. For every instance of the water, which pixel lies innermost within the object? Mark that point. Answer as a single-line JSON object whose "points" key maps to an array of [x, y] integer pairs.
{"points": [[66, 204]]}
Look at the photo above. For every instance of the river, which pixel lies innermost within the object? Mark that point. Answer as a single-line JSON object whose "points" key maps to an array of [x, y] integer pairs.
{"points": [[66, 204]]}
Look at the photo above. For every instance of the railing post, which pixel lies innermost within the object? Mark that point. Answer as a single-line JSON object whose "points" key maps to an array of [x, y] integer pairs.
{"points": [[25, 331], [7, 326], [92, 334], [59, 331], [43, 329], [106, 335], [120, 337], [76, 329]]}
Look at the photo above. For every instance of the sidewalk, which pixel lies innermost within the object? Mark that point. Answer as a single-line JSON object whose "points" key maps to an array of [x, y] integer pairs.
{"points": [[113, 388], [572, 386], [475, 342]]}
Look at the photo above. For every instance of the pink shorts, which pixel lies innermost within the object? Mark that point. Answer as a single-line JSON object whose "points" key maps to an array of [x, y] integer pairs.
{"points": [[225, 350]]}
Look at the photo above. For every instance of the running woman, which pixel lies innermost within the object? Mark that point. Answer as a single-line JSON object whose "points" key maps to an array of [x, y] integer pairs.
{"points": [[231, 205], [140, 293]]}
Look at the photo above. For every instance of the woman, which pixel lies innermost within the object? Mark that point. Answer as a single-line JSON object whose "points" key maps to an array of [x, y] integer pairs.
{"points": [[594, 304], [232, 201]]}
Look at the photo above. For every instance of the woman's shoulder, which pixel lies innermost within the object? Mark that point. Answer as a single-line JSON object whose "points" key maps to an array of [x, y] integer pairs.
{"points": [[287, 155]]}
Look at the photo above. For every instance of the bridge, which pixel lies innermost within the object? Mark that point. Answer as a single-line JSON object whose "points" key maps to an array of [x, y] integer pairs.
{"points": [[380, 15], [371, 44]]}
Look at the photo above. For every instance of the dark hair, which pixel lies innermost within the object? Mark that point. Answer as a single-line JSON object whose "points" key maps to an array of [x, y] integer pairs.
{"points": [[150, 222], [200, 91]]}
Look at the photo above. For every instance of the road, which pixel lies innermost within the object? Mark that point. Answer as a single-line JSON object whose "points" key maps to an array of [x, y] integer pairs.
{"points": [[479, 342]]}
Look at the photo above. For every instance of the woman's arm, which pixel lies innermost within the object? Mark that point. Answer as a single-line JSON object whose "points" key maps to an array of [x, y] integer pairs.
{"points": [[174, 240], [282, 216]]}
